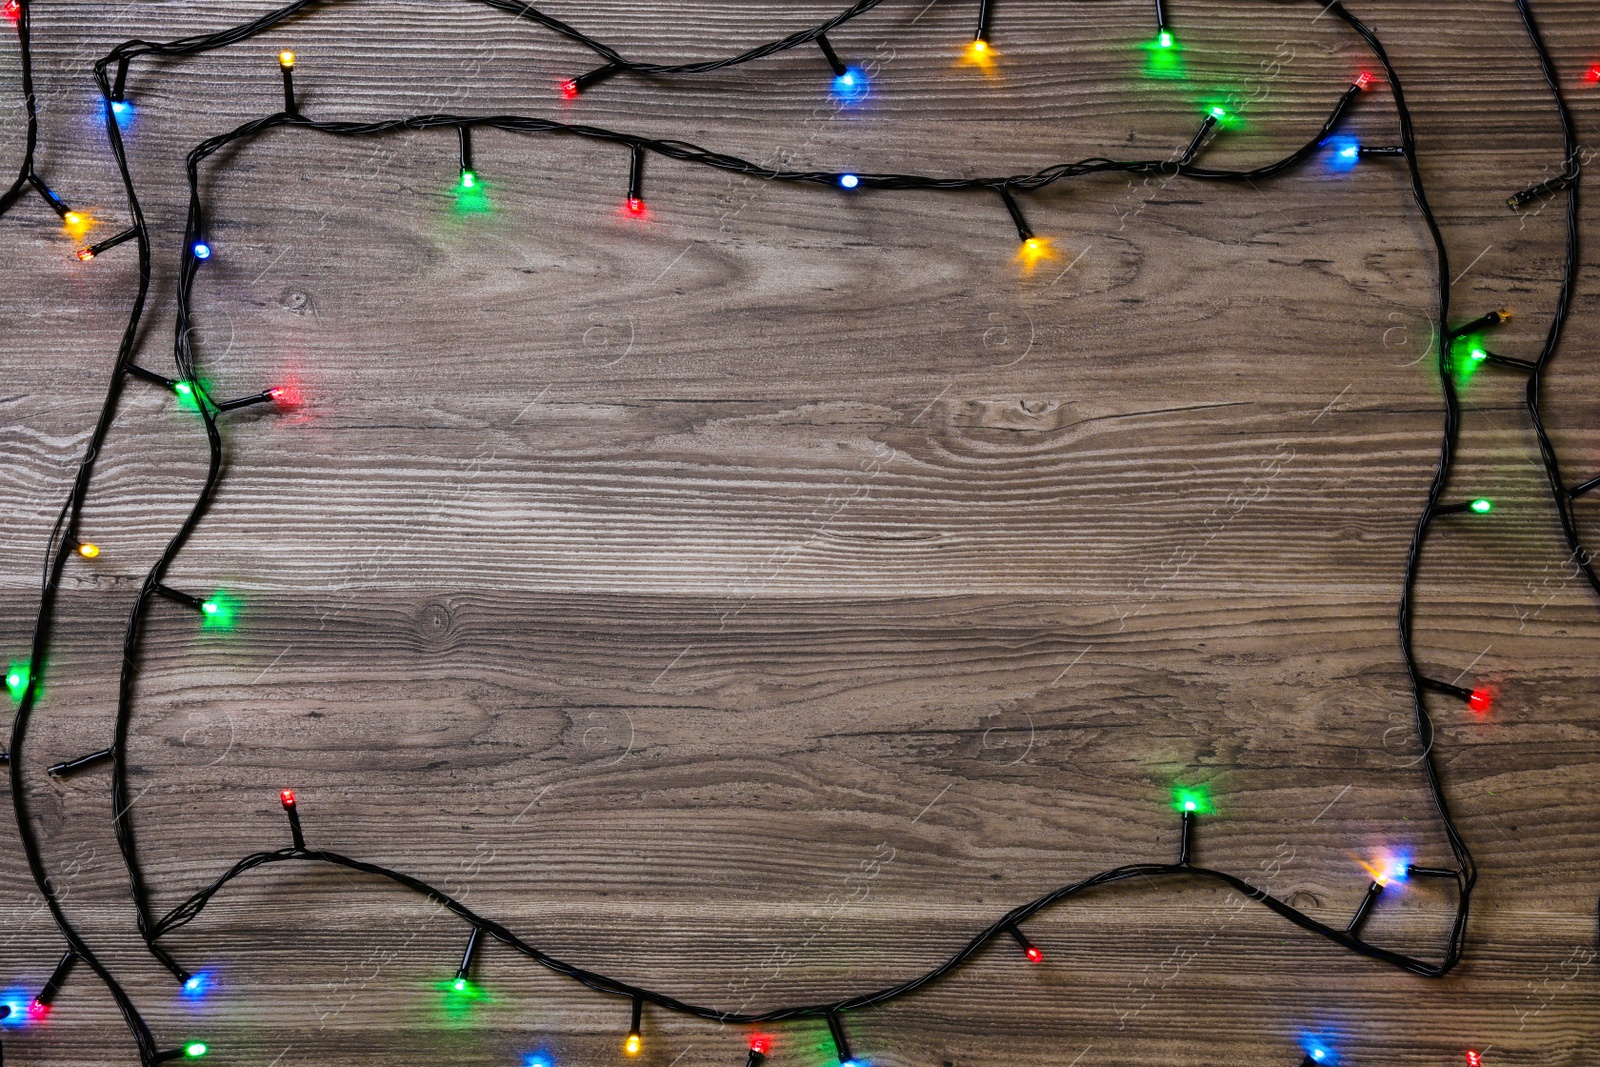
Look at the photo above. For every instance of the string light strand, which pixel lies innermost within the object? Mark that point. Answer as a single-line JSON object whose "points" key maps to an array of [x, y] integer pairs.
{"points": [[197, 250]]}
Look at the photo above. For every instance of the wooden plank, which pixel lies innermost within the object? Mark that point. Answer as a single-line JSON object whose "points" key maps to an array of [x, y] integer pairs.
{"points": [[756, 601]]}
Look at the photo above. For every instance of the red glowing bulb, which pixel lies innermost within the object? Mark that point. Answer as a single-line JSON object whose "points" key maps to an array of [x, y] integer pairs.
{"points": [[1365, 80], [1473, 1059], [760, 1043], [13, 10], [1481, 701], [286, 395], [635, 205], [1594, 74], [38, 1009], [569, 89], [287, 796], [1034, 954], [86, 254]]}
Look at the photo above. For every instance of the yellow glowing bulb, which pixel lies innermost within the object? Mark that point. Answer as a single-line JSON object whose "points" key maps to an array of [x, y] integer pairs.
{"points": [[72, 218], [980, 55], [631, 1046], [88, 551], [286, 59], [76, 223], [1032, 251]]}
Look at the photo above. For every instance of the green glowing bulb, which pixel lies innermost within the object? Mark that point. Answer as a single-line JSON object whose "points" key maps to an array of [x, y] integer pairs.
{"points": [[1163, 56], [461, 995], [1219, 113], [195, 1049], [17, 680], [1482, 506], [1192, 801], [1470, 356], [217, 612], [188, 398], [472, 195]]}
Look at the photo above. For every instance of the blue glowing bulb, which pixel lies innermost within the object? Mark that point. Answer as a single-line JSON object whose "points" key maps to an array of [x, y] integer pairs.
{"points": [[202, 250], [848, 181], [122, 111], [1317, 1052], [16, 1001], [538, 1059], [1346, 153], [195, 984], [851, 86]]}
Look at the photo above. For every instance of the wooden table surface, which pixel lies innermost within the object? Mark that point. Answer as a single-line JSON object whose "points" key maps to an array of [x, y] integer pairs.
{"points": [[756, 600]]}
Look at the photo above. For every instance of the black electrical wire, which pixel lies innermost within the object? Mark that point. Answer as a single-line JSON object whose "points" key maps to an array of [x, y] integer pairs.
{"points": [[28, 175], [194, 45], [65, 531], [194, 905], [53, 568], [1569, 179], [30, 103], [1571, 175]]}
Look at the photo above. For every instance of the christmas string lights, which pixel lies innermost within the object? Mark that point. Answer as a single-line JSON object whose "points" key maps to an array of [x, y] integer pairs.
{"points": [[1565, 498], [76, 224], [634, 189], [188, 387]]}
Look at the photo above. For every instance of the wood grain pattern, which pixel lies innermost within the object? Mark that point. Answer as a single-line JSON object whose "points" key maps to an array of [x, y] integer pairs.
{"points": [[756, 601]]}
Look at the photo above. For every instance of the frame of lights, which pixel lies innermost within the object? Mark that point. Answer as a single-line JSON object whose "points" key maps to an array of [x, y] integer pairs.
{"points": [[1462, 351]]}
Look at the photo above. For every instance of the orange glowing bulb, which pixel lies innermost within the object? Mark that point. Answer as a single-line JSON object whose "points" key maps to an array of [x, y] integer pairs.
{"points": [[88, 551], [631, 1046]]}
